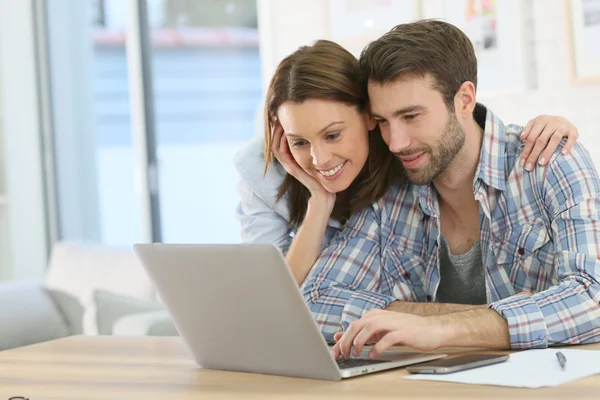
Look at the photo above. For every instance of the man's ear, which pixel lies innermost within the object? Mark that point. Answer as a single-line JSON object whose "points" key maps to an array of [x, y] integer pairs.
{"points": [[465, 100]]}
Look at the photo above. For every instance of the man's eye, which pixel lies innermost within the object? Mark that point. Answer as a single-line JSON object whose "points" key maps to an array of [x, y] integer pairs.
{"points": [[381, 121], [411, 116]]}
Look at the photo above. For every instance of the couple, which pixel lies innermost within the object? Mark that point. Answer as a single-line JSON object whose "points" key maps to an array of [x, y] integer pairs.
{"points": [[436, 229]]}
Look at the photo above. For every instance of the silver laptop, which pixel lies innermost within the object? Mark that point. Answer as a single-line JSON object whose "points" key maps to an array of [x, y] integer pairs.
{"points": [[238, 308]]}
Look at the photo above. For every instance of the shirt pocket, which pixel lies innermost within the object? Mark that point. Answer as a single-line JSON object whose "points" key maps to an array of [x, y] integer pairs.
{"points": [[523, 255], [405, 275]]}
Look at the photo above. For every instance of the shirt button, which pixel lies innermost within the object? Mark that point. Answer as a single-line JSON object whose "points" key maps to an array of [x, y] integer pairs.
{"points": [[521, 251], [406, 275], [428, 297]]}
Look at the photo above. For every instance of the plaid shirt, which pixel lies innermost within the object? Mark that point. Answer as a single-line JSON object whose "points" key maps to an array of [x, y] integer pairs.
{"points": [[540, 233]]}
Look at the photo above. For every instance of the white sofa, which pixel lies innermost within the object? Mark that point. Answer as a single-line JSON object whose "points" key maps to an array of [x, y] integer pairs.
{"points": [[88, 290]]}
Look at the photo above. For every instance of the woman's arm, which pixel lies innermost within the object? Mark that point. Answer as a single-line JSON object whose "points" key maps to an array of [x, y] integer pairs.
{"points": [[259, 223], [306, 245]]}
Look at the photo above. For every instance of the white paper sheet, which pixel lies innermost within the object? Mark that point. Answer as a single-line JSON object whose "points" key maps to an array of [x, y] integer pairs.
{"points": [[527, 369]]}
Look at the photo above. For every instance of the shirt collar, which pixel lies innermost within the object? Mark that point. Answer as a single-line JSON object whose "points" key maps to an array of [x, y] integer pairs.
{"points": [[490, 169], [491, 158]]}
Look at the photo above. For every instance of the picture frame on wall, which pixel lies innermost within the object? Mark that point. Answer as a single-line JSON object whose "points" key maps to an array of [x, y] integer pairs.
{"points": [[583, 37], [501, 32], [355, 23]]}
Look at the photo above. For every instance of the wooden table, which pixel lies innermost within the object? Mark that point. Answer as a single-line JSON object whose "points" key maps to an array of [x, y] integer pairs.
{"points": [[125, 368]]}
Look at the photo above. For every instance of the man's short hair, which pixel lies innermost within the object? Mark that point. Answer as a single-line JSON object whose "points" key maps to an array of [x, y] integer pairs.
{"points": [[419, 48]]}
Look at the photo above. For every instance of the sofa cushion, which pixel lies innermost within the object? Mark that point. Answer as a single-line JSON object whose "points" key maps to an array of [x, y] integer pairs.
{"points": [[110, 307], [152, 323], [28, 315], [80, 268], [70, 309]]}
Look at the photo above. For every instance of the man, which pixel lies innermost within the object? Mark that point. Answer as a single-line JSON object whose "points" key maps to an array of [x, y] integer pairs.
{"points": [[475, 250]]}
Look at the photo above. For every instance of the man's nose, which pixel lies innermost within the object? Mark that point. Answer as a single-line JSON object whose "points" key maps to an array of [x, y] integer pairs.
{"points": [[399, 139]]}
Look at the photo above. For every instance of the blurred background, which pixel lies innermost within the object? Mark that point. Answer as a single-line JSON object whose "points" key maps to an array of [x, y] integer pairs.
{"points": [[119, 119]]}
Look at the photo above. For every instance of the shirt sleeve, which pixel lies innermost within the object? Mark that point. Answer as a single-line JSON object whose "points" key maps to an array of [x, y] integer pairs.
{"points": [[344, 284], [568, 312], [259, 223]]}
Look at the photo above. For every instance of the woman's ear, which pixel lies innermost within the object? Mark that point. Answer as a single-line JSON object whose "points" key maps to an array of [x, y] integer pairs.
{"points": [[371, 123]]}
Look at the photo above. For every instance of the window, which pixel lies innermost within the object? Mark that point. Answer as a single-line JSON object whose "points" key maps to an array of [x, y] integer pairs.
{"points": [[206, 92]]}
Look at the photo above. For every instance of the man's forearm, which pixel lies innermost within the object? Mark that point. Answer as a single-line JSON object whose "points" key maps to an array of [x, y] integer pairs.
{"points": [[429, 309], [476, 328]]}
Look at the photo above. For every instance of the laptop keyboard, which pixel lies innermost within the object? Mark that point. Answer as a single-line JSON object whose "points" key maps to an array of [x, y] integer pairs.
{"points": [[356, 362]]}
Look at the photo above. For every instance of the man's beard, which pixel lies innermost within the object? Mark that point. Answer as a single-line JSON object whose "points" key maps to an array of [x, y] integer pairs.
{"points": [[446, 150]]}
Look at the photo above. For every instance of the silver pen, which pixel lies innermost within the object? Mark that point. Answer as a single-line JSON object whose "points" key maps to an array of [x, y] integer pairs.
{"points": [[562, 360]]}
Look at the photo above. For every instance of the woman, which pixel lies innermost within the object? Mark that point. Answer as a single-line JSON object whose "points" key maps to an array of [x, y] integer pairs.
{"points": [[331, 157]]}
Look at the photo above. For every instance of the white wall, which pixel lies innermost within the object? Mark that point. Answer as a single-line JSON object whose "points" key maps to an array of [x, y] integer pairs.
{"points": [[22, 142], [283, 28], [286, 25], [555, 94], [5, 240]]}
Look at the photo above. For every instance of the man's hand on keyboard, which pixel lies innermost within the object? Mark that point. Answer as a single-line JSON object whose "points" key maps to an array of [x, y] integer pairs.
{"points": [[387, 328]]}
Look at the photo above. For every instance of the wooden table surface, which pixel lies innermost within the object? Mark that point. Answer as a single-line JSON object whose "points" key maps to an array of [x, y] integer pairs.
{"points": [[107, 367]]}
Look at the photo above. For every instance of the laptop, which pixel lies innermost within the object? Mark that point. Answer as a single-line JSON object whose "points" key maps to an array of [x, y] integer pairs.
{"points": [[238, 308]]}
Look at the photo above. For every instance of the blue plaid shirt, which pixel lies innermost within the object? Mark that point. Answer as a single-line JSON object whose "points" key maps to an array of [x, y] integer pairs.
{"points": [[540, 233]]}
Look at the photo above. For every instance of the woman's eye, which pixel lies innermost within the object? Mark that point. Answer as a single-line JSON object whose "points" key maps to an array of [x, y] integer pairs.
{"points": [[298, 143], [333, 136]]}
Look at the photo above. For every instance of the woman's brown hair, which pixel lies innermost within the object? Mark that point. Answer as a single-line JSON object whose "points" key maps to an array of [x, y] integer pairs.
{"points": [[325, 70]]}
